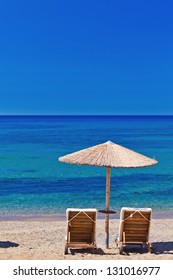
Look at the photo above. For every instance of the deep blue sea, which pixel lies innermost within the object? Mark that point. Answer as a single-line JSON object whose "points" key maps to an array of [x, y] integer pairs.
{"points": [[33, 181]]}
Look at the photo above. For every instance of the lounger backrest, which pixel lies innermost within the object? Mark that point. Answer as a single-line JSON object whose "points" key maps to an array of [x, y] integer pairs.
{"points": [[135, 225], [81, 225]]}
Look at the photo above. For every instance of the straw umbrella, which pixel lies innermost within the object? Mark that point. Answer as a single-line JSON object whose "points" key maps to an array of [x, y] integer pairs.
{"points": [[109, 155]]}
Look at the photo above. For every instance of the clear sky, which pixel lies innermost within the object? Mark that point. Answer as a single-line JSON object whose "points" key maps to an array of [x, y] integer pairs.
{"points": [[86, 57]]}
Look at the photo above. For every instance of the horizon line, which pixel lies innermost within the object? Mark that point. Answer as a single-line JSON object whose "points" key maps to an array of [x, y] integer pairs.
{"points": [[85, 115]]}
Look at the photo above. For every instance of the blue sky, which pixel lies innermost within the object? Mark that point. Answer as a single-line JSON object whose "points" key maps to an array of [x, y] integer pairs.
{"points": [[86, 57]]}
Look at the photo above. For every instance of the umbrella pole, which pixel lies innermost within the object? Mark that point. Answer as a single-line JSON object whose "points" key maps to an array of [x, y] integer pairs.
{"points": [[108, 169]]}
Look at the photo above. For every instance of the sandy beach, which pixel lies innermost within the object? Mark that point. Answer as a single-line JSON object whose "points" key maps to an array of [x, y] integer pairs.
{"points": [[44, 239]]}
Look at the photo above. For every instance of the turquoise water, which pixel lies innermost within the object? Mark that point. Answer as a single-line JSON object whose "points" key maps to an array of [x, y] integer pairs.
{"points": [[33, 181]]}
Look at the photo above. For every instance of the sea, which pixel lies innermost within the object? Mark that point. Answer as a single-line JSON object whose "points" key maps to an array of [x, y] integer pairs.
{"points": [[34, 182]]}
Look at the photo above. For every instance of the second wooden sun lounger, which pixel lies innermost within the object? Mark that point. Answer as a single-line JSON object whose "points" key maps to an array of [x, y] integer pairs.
{"points": [[81, 228], [134, 227]]}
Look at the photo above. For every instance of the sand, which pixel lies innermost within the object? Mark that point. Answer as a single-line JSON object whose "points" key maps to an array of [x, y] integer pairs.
{"points": [[44, 239]]}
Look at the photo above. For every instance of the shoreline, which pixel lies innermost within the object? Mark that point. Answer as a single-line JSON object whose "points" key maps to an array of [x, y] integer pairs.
{"points": [[62, 217]]}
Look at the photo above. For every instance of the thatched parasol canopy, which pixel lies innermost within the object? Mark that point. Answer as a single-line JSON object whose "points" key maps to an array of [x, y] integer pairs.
{"points": [[108, 155]]}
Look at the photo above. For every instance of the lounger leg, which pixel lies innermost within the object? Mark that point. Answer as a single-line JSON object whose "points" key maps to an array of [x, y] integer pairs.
{"points": [[119, 246], [94, 250], [116, 243], [66, 250], [150, 247], [121, 249]]}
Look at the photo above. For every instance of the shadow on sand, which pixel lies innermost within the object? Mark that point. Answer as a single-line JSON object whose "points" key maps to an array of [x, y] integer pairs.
{"points": [[162, 247], [97, 251], [8, 244], [157, 249]]}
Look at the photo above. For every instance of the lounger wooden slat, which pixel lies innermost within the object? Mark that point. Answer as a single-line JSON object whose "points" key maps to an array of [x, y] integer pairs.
{"points": [[134, 227], [81, 229]]}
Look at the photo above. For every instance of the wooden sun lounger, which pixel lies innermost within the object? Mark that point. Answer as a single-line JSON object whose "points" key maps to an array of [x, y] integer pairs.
{"points": [[134, 227], [81, 229]]}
